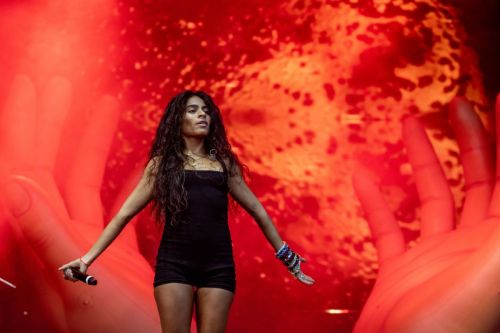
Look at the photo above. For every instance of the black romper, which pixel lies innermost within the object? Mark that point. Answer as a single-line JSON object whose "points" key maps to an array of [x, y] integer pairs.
{"points": [[199, 252]]}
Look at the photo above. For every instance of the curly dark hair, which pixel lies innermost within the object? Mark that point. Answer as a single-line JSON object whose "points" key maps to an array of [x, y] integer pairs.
{"points": [[168, 158]]}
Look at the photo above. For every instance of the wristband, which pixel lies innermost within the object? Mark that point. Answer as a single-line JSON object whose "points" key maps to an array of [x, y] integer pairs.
{"points": [[290, 259], [282, 250]]}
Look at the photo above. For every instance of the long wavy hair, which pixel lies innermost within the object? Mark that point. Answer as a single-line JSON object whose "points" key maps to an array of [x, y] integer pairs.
{"points": [[167, 154]]}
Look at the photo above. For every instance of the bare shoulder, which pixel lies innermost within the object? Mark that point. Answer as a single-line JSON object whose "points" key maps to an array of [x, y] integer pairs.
{"points": [[227, 162], [152, 166], [234, 171]]}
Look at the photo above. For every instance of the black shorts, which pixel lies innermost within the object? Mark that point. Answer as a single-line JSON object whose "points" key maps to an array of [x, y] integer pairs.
{"points": [[198, 275]]}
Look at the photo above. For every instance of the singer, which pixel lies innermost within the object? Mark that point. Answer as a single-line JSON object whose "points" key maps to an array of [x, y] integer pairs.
{"points": [[190, 172]]}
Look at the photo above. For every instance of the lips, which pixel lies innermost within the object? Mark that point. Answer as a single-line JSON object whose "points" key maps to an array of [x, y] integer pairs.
{"points": [[202, 123]]}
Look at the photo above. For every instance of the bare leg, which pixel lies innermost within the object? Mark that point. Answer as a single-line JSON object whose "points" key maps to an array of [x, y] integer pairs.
{"points": [[212, 309], [175, 306]]}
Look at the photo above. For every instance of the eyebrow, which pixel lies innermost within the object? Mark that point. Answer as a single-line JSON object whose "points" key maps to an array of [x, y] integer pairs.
{"points": [[196, 105]]}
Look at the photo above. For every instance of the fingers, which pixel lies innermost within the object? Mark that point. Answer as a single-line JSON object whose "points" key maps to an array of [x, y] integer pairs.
{"points": [[494, 208], [74, 263], [17, 123], [82, 189], [305, 278], [310, 279], [54, 106], [435, 195], [476, 156], [67, 272], [38, 222], [384, 228]]}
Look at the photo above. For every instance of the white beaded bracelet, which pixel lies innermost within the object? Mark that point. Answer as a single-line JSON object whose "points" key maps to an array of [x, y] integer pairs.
{"points": [[84, 261]]}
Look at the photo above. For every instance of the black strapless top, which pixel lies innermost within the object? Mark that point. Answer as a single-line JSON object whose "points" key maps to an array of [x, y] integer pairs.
{"points": [[207, 201], [205, 233]]}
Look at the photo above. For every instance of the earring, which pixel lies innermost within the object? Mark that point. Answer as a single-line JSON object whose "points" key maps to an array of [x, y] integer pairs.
{"points": [[212, 154]]}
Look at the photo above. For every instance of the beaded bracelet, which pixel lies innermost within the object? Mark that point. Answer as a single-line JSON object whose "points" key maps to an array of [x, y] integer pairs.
{"points": [[290, 259], [282, 250], [84, 261]]}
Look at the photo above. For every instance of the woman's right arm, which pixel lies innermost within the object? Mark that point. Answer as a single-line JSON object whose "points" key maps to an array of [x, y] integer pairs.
{"points": [[135, 202]]}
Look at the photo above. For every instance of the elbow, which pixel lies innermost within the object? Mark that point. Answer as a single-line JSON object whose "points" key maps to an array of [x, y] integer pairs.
{"points": [[123, 217], [258, 212]]}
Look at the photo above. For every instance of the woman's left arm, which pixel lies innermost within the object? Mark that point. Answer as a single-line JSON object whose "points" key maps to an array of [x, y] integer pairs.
{"points": [[245, 197], [240, 191]]}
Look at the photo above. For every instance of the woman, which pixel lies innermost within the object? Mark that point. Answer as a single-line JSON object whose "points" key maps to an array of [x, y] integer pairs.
{"points": [[190, 171]]}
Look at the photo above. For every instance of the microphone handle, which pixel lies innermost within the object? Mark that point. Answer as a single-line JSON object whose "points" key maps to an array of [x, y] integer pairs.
{"points": [[88, 279]]}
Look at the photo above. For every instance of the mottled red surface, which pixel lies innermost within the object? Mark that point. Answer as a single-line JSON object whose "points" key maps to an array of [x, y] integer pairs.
{"points": [[307, 89]]}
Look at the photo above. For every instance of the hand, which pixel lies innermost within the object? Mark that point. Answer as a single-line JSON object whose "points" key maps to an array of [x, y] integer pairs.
{"points": [[77, 263], [289, 258], [303, 277], [450, 280], [57, 216]]}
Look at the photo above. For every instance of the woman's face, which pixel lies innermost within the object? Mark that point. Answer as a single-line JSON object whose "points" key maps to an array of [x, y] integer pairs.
{"points": [[196, 120]]}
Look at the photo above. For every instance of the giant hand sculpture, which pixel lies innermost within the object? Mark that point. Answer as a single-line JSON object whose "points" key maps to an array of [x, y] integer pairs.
{"points": [[450, 280], [51, 222]]}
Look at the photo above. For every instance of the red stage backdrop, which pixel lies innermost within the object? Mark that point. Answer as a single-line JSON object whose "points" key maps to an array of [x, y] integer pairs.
{"points": [[307, 90]]}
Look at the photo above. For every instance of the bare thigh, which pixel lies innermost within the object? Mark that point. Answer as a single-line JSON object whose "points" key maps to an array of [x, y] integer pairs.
{"points": [[212, 309], [175, 306]]}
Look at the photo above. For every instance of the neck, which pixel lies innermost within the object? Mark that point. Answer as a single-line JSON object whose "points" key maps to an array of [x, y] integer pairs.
{"points": [[194, 145]]}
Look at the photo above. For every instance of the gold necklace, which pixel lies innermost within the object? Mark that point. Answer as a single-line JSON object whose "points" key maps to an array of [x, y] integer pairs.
{"points": [[191, 154], [194, 161]]}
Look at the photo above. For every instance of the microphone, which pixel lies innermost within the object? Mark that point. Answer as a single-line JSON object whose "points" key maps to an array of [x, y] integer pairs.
{"points": [[88, 279]]}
